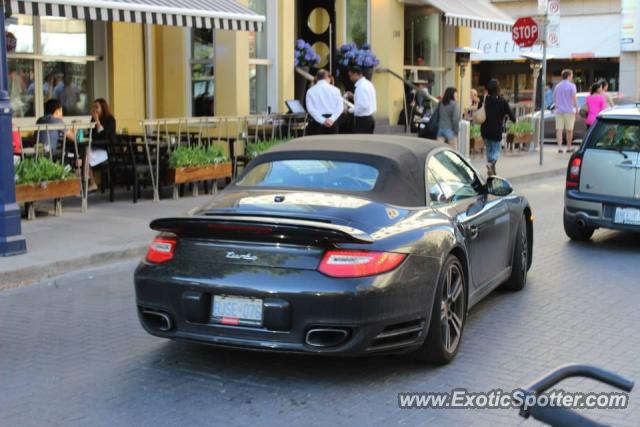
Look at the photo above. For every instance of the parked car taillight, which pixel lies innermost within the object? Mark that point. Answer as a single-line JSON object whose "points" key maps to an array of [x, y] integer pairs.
{"points": [[337, 263], [161, 249], [573, 174]]}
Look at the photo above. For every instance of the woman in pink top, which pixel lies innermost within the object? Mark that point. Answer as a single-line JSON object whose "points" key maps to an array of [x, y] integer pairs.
{"points": [[596, 103]]}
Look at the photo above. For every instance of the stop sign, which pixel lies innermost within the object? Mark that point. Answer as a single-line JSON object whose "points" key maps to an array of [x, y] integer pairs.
{"points": [[525, 32]]}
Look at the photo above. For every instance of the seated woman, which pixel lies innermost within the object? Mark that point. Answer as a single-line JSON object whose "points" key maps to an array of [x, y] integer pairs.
{"points": [[104, 133]]}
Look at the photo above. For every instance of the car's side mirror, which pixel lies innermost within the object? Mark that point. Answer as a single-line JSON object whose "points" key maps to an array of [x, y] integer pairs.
{"points": [[497, 186]]}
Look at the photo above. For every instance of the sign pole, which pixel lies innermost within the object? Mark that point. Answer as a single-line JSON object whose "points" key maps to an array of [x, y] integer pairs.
{"points": [[543, 83], [11, 240]]}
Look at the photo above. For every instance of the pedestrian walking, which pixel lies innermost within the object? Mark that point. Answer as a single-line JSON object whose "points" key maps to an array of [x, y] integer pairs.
{"points": [[364, 100], [324, 105], [594, 103], [605, 92], [449, 119], [566, 102], [548, 95], [496, 109]]}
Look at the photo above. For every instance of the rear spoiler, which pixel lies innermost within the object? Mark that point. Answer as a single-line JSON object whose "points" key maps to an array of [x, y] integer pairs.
{"points": [[278, 228]]}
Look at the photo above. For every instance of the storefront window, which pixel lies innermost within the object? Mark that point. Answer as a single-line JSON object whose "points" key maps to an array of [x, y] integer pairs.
{"points": [[258, 75], [423, 45], [56, 49], [63, 37], [258, 62], [68, 83], [357, 18], [20, 29], [202, 72], [22, 87]]}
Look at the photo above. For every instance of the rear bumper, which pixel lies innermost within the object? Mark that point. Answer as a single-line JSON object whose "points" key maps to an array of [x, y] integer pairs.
{"points": [[386, 313], [597, 211]]}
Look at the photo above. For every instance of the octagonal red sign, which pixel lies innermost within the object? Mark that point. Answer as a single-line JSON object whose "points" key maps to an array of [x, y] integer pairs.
{"points": [[525, 32]]}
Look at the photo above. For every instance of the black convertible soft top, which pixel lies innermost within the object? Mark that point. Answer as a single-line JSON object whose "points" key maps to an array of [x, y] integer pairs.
{"points": [[400, 161]]}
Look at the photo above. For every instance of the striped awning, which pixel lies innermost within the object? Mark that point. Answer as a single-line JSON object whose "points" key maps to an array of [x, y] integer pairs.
{"points": [[470, 13], [214, 14]]}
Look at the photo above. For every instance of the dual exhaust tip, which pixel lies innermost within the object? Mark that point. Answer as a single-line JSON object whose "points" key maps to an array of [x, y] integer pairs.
{"points": [[326, 337], [157, 320]]}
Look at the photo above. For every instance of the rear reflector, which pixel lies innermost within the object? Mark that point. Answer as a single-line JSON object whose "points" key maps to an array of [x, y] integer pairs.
{"points": [[573, 174], [161, 249], [358, 263]]}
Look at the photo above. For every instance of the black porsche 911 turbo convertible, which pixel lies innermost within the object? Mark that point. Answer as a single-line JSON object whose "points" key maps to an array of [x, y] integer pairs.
{"points": [[340, 245]]}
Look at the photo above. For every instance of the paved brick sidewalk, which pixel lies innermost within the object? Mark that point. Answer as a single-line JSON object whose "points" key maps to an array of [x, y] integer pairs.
{"points": [[521, 167]]}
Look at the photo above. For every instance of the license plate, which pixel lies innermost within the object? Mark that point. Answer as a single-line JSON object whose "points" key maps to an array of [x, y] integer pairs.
{"points": [[230, 310], [627, 216]]}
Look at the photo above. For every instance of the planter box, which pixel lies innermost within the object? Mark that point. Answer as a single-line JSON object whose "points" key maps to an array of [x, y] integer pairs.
{"points": [[27, 193], [200, 173], [522, 138]]}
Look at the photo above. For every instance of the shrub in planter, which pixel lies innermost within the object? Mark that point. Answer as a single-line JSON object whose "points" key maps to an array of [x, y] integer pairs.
{"points": [[31, 171], [184, 157], [350, 56], [255, 149], [305, 56], [43, 179], [521, 131], [191, 164]]}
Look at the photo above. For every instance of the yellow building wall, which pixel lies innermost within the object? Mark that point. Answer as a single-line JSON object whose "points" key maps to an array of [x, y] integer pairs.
{"points": [[232, 73], [126, 71], [286, 43], [169, 71], [463, 39], [387, 42], [341, 22]]}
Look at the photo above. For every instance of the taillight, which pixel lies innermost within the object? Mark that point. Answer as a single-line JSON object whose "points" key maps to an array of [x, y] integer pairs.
{"points": [[161, 249], [358, 263], [573, 174]]}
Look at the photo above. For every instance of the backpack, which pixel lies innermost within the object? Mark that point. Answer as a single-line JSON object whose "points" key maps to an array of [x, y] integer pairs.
{"points": [[429, 130]]}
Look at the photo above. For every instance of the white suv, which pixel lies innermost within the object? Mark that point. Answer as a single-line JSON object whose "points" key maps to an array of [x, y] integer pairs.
{"points": [[603, 178]]}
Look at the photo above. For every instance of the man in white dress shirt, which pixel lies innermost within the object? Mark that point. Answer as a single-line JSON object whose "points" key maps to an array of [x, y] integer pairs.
{"points": [[324, 105], [364, 100]]}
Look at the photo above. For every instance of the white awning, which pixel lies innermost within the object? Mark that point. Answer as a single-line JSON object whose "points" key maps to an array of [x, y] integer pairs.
{"points": [[470, 13], [214, 14]]}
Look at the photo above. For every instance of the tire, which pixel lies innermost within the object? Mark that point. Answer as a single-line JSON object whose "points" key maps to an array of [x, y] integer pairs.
{"points": [[575, 232], [452, 291], [520, 260]]}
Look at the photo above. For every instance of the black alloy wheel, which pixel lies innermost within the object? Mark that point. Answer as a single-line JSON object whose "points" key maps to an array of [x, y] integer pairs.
{"points": [[448, 316]]}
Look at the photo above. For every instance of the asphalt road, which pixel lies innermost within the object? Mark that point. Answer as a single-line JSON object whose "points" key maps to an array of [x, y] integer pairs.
{"points": [[72, 351]]}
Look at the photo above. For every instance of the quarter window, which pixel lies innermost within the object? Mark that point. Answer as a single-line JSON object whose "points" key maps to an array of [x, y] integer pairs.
{"points": [[456, 179], [615, 135]]}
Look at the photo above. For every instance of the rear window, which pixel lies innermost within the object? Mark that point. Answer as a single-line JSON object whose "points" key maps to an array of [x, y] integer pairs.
{"points": [[312, 174], [619, 135]]}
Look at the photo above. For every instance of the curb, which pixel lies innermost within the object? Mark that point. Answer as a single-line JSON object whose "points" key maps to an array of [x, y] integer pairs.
{"points": [[536, 176], [28, 276]]}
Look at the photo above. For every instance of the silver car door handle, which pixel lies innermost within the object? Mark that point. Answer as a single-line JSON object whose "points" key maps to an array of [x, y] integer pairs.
{"points": [[627, 164]]}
